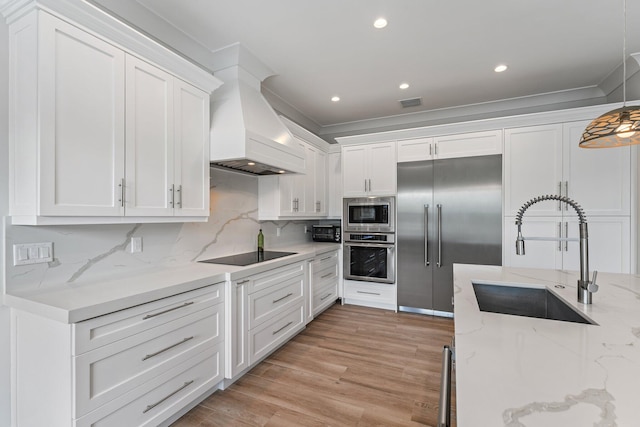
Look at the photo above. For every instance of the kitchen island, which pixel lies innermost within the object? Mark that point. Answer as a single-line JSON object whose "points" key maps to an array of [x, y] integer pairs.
{"points": [[521, 371]]}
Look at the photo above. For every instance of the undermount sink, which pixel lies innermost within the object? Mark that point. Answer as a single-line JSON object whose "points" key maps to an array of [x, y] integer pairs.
{"points": [[525, 301]]}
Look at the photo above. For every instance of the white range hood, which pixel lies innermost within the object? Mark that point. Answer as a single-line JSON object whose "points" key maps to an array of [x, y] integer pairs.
{"points": [[246, 133]]}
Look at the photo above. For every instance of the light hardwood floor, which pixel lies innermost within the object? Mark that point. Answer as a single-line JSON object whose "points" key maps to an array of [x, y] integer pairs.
{"points": [[351, 366]]}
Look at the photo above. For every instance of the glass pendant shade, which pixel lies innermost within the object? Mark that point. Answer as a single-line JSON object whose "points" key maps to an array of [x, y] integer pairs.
{"points": [[616, 128]]}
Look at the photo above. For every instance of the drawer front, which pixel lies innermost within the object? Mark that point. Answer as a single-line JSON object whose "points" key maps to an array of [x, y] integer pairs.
{"points": [[367, 291], [162, 396], [103, 330], [267, 303], [273, 277], [264, 339], [108, 372], [325, 260], [324, 297], [321, 278]]}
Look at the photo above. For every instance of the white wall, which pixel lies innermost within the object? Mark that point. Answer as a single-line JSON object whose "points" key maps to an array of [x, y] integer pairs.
{"points": [[5, 397]]}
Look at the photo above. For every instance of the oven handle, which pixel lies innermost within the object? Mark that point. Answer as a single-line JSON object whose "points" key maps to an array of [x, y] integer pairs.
{"points": [[389, 246]]}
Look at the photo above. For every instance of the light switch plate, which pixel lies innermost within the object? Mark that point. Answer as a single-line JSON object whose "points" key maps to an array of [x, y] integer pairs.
{"points": [[32, 253], [136, 245]]}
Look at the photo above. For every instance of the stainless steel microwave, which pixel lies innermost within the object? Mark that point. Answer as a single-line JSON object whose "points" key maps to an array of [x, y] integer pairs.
{"points": [[369, 214]]}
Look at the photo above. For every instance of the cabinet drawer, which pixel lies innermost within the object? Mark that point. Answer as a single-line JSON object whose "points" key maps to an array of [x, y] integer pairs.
{"points": [[162, 396], [269, 302], [324, 297], [270, 335], [103, 330], [366, 291], [325, 276], [107, 372], [325, 260], [276, 276]]}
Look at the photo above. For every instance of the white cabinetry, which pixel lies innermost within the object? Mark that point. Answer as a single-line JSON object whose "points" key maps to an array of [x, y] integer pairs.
{"points": [[267, 310], [334, 184], [546, 159], [132, 367], [369, 170], [78, 104], [296, 195], [324, 274], [450, 146]]}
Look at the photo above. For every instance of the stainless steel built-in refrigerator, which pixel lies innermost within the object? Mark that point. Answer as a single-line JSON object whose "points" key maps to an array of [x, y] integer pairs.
{"points": [[448, 211]]}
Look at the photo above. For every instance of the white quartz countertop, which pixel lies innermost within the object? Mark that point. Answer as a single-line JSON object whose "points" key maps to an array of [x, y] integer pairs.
{"points": [[521, 371], [71, 303]]}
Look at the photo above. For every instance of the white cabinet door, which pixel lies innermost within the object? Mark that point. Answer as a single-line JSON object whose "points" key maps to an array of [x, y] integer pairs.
{"points": [[308, 199], [320, 184], [81, 84], [236, 328], [353, 171], [191, 126], [369, 170], [468, 144], [415, 150], [334, 184], [599, 180], [149, 134], [382, 169], [532, 167], [538, 253], [609, 244]]}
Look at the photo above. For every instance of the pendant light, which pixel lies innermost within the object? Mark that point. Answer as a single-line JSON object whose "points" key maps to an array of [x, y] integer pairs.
{"points": [[619, 127]]}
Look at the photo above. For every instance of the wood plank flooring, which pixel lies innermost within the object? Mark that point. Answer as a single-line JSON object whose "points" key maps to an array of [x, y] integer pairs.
{"points": [[351, 366]]}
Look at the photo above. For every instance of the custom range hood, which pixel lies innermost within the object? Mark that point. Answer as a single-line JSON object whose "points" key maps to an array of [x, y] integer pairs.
{"points": [[246, 133]]}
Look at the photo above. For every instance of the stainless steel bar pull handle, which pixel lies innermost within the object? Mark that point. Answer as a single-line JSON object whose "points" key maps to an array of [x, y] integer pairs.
{"points": [[566, 194], [560, 236], [150, 407], [559, 194], [149, 356], [566, 234], [444, 412], [171, 195], [281, 329], [282, 298], [149, 316], [439, 264], [121, 189], [179, 202], [426, 235]]}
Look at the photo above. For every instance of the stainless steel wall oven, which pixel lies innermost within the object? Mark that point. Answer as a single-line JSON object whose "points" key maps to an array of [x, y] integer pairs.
{"points": [[369, 257]]}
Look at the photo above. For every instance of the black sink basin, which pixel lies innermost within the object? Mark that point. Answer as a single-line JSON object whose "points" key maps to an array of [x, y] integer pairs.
{"points": [[523, 301]]}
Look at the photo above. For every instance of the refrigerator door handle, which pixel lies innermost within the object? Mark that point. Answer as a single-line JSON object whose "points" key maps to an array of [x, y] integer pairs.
{"points": [[439, 264], [426, 235]]}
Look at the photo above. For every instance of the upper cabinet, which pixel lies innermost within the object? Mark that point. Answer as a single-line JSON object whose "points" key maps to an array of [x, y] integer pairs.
{"points": [[450, 146], [546, 159], [297, 195], [98, 135], [369, 170]]}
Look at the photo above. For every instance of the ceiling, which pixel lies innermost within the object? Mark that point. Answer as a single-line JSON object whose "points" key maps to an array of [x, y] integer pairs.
{"points": [[445, 49]]}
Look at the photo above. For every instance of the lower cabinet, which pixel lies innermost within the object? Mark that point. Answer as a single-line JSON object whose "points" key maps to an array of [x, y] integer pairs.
{"points": [[324, 274], [370, 294], [265, 311], [138, 366]]}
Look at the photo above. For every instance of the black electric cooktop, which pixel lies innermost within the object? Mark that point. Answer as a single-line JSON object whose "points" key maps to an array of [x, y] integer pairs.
{"points": [[248, 258]]}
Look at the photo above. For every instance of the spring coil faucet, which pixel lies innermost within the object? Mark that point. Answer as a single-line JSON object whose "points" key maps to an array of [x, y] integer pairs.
{"points": [[586, 287]]}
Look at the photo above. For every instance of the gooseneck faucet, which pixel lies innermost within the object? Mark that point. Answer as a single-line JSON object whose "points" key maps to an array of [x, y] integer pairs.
{"points": [[586, 287]]}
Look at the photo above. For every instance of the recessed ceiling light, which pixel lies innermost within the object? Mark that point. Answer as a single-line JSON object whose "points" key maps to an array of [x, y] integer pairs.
{"points": [[380, 23], [335, 98], [404, 85], [281, 171], [500, 68], [251, 164]]}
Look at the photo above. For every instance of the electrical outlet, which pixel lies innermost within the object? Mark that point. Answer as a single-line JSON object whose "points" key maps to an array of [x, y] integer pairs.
{"points": [[278, 231], [32, 253], [136, 245]]}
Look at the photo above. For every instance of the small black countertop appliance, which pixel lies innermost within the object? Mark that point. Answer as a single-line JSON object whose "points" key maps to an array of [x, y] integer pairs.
{"points": [[326, 233]]}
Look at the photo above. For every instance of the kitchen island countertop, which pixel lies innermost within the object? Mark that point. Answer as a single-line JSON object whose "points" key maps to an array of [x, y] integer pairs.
{"points": [[75, 302], [520, 371]]}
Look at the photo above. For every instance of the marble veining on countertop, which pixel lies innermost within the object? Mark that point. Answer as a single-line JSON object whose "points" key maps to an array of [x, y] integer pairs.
{"points": [[72, 302], [518, 371]]}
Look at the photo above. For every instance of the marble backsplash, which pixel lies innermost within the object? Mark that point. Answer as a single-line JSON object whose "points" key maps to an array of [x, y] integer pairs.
{"points": [[86, 253]]}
